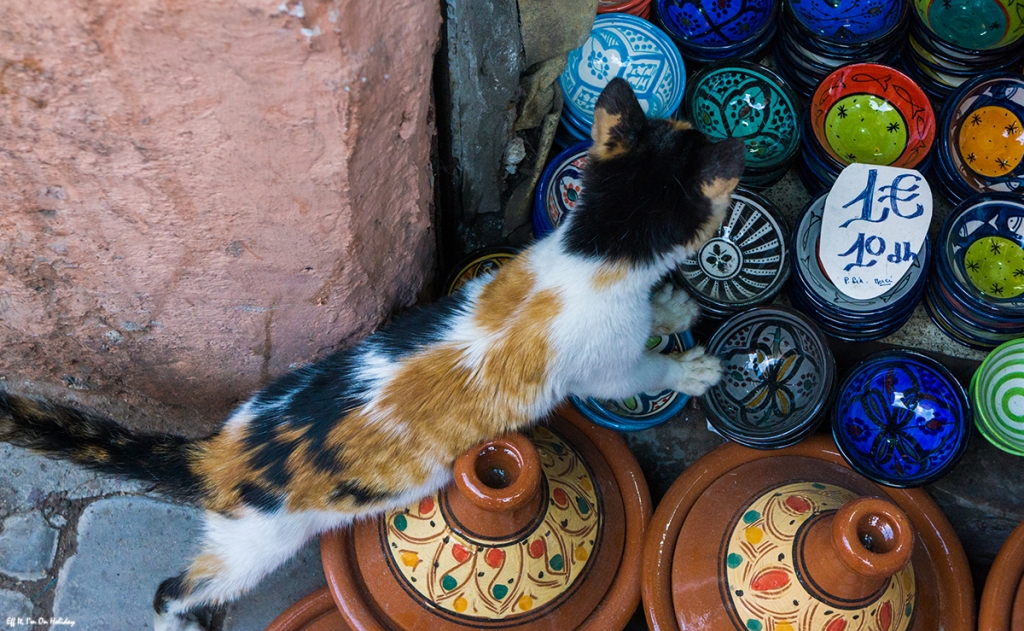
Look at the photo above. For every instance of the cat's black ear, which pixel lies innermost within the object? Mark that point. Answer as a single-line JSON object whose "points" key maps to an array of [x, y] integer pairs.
{"points": [[721, 167], [618, 118]]}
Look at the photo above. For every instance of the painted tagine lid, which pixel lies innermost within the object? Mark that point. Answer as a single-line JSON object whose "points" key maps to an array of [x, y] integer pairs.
{"points": [[795, 540], [541, 531], [1002, 601]]}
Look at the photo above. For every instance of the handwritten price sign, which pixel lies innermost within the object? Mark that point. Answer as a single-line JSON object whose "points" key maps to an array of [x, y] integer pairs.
{"points": [[873, 227]]}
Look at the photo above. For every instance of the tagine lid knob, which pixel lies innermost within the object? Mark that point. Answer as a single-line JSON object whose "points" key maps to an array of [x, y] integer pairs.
{"points": [[794, 540], [538, 530]]}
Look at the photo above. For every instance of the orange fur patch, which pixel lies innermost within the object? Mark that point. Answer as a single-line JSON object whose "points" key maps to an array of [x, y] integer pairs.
{"points": [[719, 190], [504, 294], [609, 274], [222, 463], [204, 566], [681, 125], [604, 148]]}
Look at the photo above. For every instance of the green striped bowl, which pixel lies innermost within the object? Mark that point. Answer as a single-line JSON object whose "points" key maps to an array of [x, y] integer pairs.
{"points": [[997, 392]]}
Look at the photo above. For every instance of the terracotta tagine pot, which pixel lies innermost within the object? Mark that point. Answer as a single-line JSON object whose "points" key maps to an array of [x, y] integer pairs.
{"points": [[539, 531], [315, 612], [1002, 601], [795, 540]]}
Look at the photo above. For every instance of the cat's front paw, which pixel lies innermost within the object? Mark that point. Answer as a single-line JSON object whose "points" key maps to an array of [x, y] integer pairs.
{"points": [[171, 622], [673, 310], [700, 371]]}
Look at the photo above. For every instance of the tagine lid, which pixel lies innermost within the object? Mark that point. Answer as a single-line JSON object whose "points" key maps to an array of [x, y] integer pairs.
{"points": [[483, 553], [748, 540], [314, 612], [1002, 601]]}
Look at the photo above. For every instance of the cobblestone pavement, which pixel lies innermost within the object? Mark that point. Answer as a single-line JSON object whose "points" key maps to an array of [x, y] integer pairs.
{"points": [[79, 548]]}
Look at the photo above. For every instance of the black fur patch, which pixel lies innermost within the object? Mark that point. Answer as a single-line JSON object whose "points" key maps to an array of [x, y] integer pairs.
{"points": [[360, 494], [171, 589], [260, 498]]}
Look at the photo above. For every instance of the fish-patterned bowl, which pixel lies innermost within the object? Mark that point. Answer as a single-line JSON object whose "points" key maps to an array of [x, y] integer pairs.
{"points": [[872, 114], [738, 99], [777, 379], [643, 410], [901, 419], [981, 254], [973, 25], [713, 25], [997, 394], [559, 189], [623, 45], [746, 262], [847, 22], [982, 141]]}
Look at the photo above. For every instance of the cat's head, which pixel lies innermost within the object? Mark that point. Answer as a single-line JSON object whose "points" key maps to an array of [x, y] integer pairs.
{"points": [[652, 188]]}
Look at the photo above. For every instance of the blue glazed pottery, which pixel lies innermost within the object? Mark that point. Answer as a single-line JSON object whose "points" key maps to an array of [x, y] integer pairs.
{"points": [[643, 410], [622, 45], [737, 99], [745, 263], [901, 419], [777, 380], [715, 24], [848, 21], [559, 189]]}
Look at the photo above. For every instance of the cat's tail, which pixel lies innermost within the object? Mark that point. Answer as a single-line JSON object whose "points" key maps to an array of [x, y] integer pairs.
{"points": [[98, 443]]}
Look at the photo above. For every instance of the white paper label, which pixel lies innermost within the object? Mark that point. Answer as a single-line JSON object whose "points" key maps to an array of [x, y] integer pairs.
{"points": [[873, 227]]}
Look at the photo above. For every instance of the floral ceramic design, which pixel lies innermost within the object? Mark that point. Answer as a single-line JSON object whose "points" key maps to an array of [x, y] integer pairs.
{"points": [[626, 46], [902, 419], [746, 262], [747, 101], [565, 187], [486, 580], [761, 564], [872, 113], [984, 133], [715, 23], [974, 24], [997, 393], [847, 21], [984, 240]]}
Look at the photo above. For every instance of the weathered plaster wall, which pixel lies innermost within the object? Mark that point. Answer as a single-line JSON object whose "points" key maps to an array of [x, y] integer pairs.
{"points": [[195, 196]]}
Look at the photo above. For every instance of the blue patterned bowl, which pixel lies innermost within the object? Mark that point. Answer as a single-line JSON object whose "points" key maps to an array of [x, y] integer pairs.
{"points": [[848, 22], [737, 99], [746, 262], [777, 381], [709, 25], [902, 419], [559, 189], [622, 45], [644, 410]]}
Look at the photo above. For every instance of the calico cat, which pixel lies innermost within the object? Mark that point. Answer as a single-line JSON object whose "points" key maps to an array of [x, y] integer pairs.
{"points": [[332, 442]]}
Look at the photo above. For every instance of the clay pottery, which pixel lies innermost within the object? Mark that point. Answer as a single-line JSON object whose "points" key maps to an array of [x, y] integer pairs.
{"points": [[1002, 601], [315, 612], [539, 531], [795, 540]]}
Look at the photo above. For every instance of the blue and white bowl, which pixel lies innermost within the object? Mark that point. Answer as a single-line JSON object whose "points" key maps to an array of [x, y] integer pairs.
{"points": [[622, 45], [559, 189]]}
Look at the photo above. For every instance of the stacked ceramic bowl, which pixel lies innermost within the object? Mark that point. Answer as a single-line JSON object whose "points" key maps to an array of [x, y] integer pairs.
{"points": [[777, 379], [977, 293], [709, 30], [477, 263], [841, 316], [559, 189], [901, 419], [818, 36], [620, 45], [738, 99], [867, 113], [639, 8], [997, 393], [643, 410], [981, 137], [952, 41], [744, 264]]}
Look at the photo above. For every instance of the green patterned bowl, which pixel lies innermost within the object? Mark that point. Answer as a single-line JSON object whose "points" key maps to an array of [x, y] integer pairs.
{"points": [[739, 99], [997, 393], [973, 25]]}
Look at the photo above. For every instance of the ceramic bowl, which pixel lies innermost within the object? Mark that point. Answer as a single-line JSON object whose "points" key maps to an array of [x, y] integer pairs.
{"points": [[746, 262], [737, 99], [622, 45], [997, 393], [901, 419], [778, 377], [710, 25], [644, 410], [848, 21], [872, 114], [973, 25], [478, 263], [982, 252], [559, 189], [982, 139]]}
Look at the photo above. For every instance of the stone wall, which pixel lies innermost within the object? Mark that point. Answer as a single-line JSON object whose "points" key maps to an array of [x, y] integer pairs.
{"points": [[196, 196]]}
